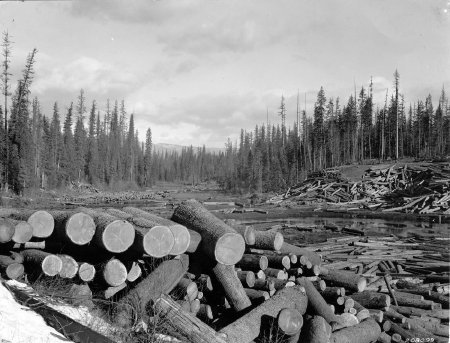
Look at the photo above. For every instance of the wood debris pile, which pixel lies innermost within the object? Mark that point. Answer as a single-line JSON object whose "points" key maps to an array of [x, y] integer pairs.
{"points": [[419, 188], [198, 279]]}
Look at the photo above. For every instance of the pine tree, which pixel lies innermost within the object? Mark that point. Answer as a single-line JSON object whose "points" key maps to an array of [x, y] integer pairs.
{"points": [[319, 136], [56, 148], [148, 158], [68, 165], [6, 92], [92, 158]]}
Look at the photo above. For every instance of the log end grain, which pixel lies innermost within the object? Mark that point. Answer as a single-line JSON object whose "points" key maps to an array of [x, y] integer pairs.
{"points": [[42, 223], [69, 267], [229, 249], [22, 232], [51, 265], [134, 272], [278, 241], [15, 271], [114, 272], [6, 231], [182, 239], [86, 272], [118, 236], [80, 228], [290, 321], [158, 241]]}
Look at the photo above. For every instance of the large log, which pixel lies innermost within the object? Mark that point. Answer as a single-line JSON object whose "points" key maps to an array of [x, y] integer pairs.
{"points": [[316, 330], [69, 267], [270, 240], [72, 226], [253, 262], [287, 248], [219, 241], [6, 230], [179, 321], [316, 302], [365, 332], [37, 261], [180, 233], [246, 231], [290, 322], [113, 235], [10, 268], [372, 300], [41, 221], [162, 280], [232, 286], [113, 272], [412, 311], [248, 327], [349, 280], [150, 238], [280, 262], [22, 231]]}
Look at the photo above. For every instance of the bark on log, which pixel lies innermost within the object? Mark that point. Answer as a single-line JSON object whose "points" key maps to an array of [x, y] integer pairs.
{"points": [[276, 273], [174, 318], [22, 231], [349, 280], [316, 302], [194, 242], [205, 313], [280, 262], [219, 241], [270, 240], [232, 286], [162, 280], [6, 231], [72, 226], [264, 285], [253, 262], [10, 268], [435, 328], [287, 248], [182, 237], [113, 290], [113, 235], [248, 232], [257, 296], [364, 332], [280, 284], [36, 261], [316, 330], [412, 311], [86, 272], [185, 289], [41, 221], [69, 267], [248, 327], [372, 300], [247, 278], [418, 303]]}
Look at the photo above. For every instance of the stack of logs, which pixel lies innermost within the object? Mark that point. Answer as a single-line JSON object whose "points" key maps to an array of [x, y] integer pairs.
{"points": [[202, 280], [418, 188]]}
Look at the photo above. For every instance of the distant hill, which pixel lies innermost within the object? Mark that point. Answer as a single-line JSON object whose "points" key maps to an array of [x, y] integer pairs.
{"points": [[163, 147]]}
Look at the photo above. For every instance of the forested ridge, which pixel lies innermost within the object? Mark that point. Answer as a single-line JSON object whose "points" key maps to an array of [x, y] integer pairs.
{"points": [[80, 142]]}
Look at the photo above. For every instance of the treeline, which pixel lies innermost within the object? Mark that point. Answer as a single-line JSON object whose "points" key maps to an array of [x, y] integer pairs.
{"points": [[272, 158]]}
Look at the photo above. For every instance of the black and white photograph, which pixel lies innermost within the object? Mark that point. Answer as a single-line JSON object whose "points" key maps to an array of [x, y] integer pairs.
{"points": [[224, 171]]}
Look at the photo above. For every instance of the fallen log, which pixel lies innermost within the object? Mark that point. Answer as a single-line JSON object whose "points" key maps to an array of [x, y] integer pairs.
{"points": [[270, 240], [364, 332], [372, 300], [134, 272], [349, 280], [69, 267], [287, 248], [161, 280], [279, 262], [219, 241], [182, 236], [74, 227], [316, 302], [41, 221], [248, 327], [86, 272], [290, 322], [23, 231], [37, 261], [113, 235], [6, 230], [10, 268], [247, 278], [113, 272], [248, 232], [253, 262], [412, 311], [185, 289], [257, 296], [177, 320], [113, 290], [232, 286]]}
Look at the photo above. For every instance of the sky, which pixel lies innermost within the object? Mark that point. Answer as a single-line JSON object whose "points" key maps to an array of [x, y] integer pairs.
{"points": [[196, 72]]}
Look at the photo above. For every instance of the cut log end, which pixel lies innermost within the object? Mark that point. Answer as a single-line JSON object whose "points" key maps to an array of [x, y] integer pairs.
{"points": [[23, 232], [158, 241], [69, 267], [42, 223], [278, 241], [118, 236], [290, 321], [229, 249], [182, 239], [51, 265], [115, 272], [86, 272], [14, 271], [80, 228], [6, 231]]}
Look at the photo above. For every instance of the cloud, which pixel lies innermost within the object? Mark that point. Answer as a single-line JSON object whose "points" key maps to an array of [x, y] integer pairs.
{"points": [[83, 72]]}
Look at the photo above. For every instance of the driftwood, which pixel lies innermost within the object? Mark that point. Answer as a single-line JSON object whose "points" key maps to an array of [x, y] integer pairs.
{"points": [[219, 241]]}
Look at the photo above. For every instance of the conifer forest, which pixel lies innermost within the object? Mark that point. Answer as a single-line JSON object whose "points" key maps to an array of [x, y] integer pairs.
{"points": [[98, 143]]}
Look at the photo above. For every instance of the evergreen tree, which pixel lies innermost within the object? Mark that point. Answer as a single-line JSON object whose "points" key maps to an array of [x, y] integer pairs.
{"points": [[148, 158]]}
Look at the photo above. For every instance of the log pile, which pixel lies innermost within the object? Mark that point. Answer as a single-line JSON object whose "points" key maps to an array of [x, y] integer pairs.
{"points": [[418, 188], [235, 284]]}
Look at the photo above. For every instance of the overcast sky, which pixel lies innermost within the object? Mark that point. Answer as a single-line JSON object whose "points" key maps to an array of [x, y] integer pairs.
{"points": [[198, 71]]}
